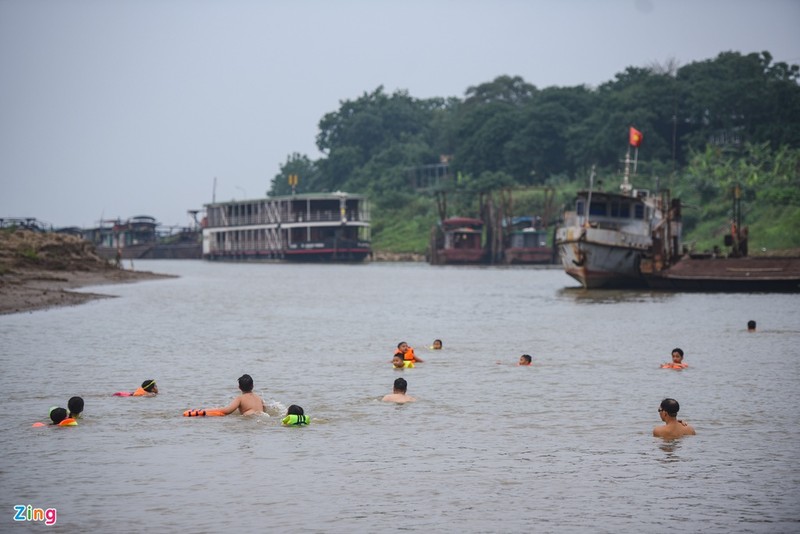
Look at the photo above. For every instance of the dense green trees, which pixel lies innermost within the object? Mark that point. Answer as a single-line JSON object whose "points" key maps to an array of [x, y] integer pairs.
{"points": [[735, 118]]}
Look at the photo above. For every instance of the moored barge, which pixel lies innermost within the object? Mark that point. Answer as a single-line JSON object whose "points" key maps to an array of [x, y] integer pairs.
{"points": [[458, 240], [709, 274]]}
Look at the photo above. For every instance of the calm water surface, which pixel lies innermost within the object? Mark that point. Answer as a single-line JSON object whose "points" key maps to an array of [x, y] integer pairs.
{"points": [[562, 446]]}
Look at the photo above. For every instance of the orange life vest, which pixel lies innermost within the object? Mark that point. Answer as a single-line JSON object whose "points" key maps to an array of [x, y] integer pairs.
{"points": [[409, 354]]}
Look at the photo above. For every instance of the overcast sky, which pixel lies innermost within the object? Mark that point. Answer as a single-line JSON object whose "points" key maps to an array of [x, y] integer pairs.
{"points": [[121, 108]]}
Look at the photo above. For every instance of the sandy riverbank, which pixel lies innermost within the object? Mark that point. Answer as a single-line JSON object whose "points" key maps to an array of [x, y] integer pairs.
{"points": [[39, 270]]}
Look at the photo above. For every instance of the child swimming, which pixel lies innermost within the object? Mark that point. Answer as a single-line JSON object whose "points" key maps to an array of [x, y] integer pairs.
{"points": [[295, 416]]}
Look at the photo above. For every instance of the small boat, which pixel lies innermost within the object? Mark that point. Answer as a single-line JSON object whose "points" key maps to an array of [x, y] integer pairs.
{"points": [[527, 242], [458, 240], [604, 239]]}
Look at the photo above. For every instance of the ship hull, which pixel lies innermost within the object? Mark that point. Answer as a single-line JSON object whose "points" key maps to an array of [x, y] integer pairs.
{"points": [[600, 258]]}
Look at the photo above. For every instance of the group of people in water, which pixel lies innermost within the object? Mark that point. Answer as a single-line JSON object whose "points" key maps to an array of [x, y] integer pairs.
{"points": [[66, 417], [247, 403], [250, 403], [404, 358]]}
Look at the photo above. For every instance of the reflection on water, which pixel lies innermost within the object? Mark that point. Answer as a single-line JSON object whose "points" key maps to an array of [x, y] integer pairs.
{"points": [[671, 447], [563, 445], [611, 296]]}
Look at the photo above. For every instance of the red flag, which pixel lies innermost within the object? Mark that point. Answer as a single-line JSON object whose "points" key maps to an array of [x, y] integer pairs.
{"points": [[635, 137]]}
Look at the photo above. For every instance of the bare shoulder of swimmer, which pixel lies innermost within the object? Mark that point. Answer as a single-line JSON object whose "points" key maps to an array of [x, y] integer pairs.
{"points": [[250, 403]]}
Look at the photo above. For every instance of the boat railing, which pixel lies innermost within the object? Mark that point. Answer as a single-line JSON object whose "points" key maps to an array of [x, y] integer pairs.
{"points": [[323, 216], [290, 217]]}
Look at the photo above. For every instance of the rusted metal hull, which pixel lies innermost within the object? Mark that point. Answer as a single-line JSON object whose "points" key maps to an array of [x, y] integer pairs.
{"points": [[600, 258], [461, 256], [753, 274], [529, 255]]}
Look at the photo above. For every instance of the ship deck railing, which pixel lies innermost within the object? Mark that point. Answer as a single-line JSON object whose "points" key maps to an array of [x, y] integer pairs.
{"points": [[314, 216]]}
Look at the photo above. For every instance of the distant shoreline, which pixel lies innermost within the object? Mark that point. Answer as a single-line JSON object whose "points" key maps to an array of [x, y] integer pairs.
{"points": [[27, 290]]}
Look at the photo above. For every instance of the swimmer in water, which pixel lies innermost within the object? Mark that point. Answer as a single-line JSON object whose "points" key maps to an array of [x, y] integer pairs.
{"points": [[399, 363], [673, 427], [677, 360], [75, 406], [295, 416], [148, 389], [248, 403], [525, 359], [407, 352], [59, 417], [437, 344], [751, 326], [398, 394]]}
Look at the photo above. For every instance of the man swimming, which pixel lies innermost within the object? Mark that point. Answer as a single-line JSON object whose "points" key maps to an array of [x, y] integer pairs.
{"points": [[248, 403], [398, 393], [673, 427]]}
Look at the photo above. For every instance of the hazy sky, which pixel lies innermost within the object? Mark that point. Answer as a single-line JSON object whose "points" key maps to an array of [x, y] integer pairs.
{"points": [[121, 108]]}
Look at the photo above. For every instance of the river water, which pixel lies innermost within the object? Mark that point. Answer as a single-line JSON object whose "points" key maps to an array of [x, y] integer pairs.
{"points": [[562, 446]]}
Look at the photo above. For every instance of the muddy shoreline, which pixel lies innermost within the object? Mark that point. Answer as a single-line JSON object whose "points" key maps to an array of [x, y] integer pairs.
{"points": [[33, 290], [39, 271]]}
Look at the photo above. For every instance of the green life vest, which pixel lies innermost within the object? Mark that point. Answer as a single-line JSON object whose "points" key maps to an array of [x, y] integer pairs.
{"points": [[295, 420]]}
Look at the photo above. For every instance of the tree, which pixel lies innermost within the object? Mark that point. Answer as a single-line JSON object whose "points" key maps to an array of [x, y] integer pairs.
{"points": [[306, 171]]}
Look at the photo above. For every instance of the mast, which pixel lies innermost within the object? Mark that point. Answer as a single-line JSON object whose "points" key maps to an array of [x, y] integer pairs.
{"points": [[589, 199], [626, 186]]}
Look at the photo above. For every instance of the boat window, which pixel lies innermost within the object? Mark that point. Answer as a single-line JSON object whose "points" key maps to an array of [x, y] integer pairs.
{"points": [[625, 210], [615, 208], [579, 207], [598, 209], [638, 211]]}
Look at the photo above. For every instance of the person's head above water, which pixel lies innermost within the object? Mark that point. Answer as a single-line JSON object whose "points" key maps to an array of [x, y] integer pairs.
{"points": [[295, 410], [751, 326], [400, 385], [437, 344], [397, 361], [670, 406], [246, 383], [677, 355], [57, 414], [525, 359], [150, 386], [75, 406]]}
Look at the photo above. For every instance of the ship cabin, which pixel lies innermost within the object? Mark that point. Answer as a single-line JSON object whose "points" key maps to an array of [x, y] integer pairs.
{"points": [[612, 211]]}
